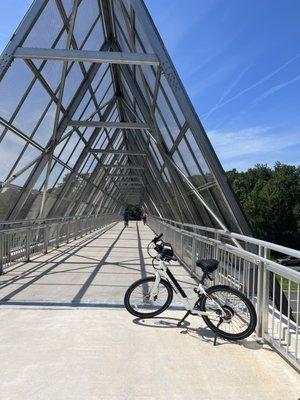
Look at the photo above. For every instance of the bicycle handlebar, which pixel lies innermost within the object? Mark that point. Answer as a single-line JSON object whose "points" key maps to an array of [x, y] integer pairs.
{"points": [[157, 238], [159, 248]]}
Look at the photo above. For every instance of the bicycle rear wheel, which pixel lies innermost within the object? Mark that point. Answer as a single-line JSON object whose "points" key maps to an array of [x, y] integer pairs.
{"points": [[137, 298], [240, 320]]}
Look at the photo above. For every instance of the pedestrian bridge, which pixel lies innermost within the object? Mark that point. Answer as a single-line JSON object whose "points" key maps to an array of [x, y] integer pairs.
{"points": [[66, 334], [94, 118]]}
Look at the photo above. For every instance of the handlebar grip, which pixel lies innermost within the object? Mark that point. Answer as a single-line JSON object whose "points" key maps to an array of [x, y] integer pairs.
{"points": [[157, 238]]}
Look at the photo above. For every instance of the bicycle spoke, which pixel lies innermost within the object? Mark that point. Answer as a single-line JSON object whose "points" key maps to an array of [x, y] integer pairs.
{"points": [[238, 316], [140, 298]]}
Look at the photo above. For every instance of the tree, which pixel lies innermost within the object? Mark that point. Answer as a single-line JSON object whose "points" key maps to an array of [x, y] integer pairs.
{"points": [[271, 201], [135, 211]]}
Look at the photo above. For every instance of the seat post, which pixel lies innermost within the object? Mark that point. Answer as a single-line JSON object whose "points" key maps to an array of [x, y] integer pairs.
{"points": [[203, 278]]}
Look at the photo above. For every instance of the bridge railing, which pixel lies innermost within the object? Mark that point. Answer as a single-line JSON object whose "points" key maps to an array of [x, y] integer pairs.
{"points": [[249, 265], [21, 240]]}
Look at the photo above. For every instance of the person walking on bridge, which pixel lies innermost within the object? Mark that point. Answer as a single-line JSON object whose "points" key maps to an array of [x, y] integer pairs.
{"points": [[126, 217], [144, 217]]}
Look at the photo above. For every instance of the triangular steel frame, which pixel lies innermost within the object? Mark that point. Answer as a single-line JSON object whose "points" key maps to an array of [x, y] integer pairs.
{"points": [[117, 112]]}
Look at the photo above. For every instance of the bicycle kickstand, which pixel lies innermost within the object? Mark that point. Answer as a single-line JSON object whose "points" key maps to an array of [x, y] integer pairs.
{"points": [[185, 316], [216, 334]]}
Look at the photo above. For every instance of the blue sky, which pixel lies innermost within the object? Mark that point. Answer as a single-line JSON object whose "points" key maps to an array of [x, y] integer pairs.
{"points": [[240, 63]]}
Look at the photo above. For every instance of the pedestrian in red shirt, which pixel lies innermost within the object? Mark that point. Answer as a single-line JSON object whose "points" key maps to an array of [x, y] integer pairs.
{"points": [[144, 217]]}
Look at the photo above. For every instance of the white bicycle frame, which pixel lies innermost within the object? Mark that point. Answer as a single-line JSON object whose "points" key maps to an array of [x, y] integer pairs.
{"points": [[162, 271]]}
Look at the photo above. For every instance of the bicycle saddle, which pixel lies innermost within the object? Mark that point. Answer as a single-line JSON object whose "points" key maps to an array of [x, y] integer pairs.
{"points": [[207, 266]]}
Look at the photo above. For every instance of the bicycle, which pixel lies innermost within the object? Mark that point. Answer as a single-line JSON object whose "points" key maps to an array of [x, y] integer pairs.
{"points": [[225, 310]]}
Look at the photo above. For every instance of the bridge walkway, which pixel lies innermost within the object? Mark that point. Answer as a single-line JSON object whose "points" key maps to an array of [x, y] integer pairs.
{"points": [[66, 335]]}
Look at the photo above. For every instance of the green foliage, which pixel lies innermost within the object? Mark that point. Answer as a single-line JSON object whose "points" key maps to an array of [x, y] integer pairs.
{"points": [[135, 211], [8, 198], [270, 198]]}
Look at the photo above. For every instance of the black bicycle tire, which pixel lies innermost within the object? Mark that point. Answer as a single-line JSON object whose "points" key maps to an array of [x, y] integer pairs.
{"points": [[148, 246], [155, 313], [225, 335]]}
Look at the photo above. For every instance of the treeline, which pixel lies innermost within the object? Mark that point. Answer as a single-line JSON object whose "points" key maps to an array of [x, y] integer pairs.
{"points": [[270, 198]]}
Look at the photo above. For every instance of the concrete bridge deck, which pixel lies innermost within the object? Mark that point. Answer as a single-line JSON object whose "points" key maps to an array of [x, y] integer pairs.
{"points": [[66, 335]]}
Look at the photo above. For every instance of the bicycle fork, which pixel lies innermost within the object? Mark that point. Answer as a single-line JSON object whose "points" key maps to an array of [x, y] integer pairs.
{"points": [[154, 289]]}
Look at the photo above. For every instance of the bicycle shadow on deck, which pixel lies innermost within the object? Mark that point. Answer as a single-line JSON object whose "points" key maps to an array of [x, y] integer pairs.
{"points": [[203, 333]]}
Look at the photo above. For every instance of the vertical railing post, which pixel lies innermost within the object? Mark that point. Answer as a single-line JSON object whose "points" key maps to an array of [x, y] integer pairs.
{"points": [[174, 237], [193, 266], [265, 294], [1, 253], [46, 238], [27, 248], [76, 231], [181, 244], [57, 235], [259, 293], [217, 238], [68, 231]]}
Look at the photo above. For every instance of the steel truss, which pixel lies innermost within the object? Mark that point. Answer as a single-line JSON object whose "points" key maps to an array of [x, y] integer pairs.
{"points": [[112, 122]]}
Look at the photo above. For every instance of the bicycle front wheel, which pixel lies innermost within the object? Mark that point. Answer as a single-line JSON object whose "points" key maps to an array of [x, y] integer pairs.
{"points": [[138, 299], [240, 317]]}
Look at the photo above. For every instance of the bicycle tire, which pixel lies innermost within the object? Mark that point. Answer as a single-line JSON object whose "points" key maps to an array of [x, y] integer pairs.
{"points": [[226, 335], [141, 282]]}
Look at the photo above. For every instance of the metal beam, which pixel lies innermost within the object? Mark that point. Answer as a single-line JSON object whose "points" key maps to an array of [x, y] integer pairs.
{"points": [[102, 57], [108, 124], [55, 132], [73, 105], [124, 176], [21, 34], [123, 166], [137, 95], [130, 192], [191, 118], [89, 193], [129, 187], [129, 184], [125, 152]]}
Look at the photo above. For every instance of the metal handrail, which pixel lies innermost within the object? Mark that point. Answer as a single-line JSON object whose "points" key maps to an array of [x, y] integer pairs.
{"points": [[249, 239], [273, 288], [29, 222], [19, 244]]}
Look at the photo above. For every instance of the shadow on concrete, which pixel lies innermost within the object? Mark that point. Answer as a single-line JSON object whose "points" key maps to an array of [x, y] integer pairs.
{"points": [[24, 278], [204, 333], [77, 298], [55, 261]]}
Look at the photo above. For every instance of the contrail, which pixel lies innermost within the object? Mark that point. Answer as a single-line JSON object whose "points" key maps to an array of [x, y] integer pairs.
{"points": [[226, 92], [278, 87], [267, 77]]}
